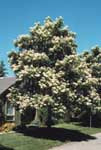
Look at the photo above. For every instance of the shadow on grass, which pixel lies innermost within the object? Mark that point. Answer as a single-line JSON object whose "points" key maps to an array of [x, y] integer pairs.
{"points": [[5, 148], [59, 134]]}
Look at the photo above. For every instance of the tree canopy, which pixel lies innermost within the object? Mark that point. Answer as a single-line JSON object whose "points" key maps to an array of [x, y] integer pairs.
{"points": [[93, 60]]}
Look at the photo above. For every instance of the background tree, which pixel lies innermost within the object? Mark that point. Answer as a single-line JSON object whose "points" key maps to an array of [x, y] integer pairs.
{"points": [[2, 69], [51, 73], [93, 60], [2, 74]]}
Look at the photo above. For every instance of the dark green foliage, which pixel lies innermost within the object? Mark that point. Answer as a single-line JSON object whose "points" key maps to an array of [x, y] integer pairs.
{"points": [[2, 69], [28, 116]]}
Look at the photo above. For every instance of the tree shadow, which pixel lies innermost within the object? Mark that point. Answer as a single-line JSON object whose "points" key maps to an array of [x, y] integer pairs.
{"points": [[5, 148], [59, 134]]}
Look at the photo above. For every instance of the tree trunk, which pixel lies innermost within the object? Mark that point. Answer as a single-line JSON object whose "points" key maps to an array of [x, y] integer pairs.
{"points": [[49, 119], [90, 121], [37, 120]]}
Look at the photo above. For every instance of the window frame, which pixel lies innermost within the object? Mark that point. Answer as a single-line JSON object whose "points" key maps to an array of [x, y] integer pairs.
{"points": [[9, 115]]}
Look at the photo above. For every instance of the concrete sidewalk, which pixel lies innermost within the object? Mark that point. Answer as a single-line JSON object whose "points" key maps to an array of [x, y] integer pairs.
{"points": [[94, 144]]}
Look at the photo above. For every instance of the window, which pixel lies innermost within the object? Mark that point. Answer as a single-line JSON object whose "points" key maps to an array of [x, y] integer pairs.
{"points": [[10, 112]]}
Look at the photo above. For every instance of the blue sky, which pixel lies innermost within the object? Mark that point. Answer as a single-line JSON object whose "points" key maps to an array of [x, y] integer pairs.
{"points": [[82, 16]]}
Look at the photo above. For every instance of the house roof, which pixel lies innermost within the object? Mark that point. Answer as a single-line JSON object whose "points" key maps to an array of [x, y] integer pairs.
{"points": [[5, 83]]}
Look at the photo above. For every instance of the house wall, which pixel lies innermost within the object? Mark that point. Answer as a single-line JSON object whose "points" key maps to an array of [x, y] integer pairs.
{"points": [[3, 104], [2, 108], [25, 118]]}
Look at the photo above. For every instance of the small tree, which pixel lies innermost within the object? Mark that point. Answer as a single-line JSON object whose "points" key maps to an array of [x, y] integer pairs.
{"points": [[52, 74], [2, 74], [2, 69]]}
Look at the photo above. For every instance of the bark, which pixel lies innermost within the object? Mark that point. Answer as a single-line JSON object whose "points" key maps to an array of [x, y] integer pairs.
{"points": [[49, 119]]}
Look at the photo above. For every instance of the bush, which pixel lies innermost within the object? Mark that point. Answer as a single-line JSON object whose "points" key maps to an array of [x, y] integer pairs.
{"points": [[6, 127]]}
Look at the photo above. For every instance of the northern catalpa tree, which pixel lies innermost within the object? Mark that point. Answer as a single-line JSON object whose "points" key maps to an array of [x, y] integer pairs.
{"points": [[93, 60], [49, 72]]}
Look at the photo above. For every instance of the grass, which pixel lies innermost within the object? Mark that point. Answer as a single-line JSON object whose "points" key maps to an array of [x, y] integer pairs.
{"points": [[43, 138], [78, 127], [18, 141]]}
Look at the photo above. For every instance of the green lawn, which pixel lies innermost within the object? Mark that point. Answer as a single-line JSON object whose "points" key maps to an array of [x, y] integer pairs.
{"points": [[20, 142], [43, 138], [76, 126]]}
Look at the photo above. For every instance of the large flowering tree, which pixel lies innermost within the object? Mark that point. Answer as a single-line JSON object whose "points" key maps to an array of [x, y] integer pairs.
{"points": [[49, 72], [93, 60]]}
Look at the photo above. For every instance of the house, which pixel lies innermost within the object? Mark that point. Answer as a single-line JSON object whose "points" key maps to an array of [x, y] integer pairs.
{"points": [[8, 113]]}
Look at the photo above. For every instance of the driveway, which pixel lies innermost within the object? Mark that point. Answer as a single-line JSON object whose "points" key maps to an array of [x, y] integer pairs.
{"points": [[94, 144]]}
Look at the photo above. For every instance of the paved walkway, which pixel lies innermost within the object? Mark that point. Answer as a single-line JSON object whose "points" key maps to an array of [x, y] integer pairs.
{"points": [[84, 145]]}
